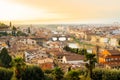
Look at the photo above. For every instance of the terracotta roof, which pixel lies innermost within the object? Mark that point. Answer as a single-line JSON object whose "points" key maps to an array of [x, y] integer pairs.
{"points": [[114, 52], [74, 57], [113, 56], [46, 66]]}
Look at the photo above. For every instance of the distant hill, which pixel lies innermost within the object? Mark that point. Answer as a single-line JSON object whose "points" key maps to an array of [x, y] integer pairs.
{"points": [[2, 25]]}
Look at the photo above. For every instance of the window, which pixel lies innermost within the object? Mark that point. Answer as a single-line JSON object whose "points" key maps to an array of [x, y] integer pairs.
{"points": [[33, 42], [116, 58], [107, 59], [112, 59]]}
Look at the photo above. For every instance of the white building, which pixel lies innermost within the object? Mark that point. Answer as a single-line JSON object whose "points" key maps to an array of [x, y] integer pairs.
{"points": [[28, 41], [46, 60], [29, 55], [113, 42], [104, 40]]}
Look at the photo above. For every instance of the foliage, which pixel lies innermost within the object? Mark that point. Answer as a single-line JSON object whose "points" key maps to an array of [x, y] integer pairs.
{"points": [[3, 34], [58, 74], [106, 74], [119, 42], [74, 75], [2, 25], [19, 65], [76, 50], [5, 58], [48, 71], [33, 73], [29, 31], [90, 65], [81, 42], [24, 72], [5, 74], [111, 75], [14, 29], [54, 74], [97, 74], [48, 74], [20, 33]]}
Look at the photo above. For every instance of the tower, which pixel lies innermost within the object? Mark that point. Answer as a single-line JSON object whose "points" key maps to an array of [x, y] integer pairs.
{"points": [[97, 53], [10, 25]]}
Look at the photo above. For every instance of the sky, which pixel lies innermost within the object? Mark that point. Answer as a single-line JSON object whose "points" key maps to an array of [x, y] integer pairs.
{"points": [[60, 11]]}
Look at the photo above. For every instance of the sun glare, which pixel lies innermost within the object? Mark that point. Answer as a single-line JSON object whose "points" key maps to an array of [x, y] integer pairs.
{"points": [[10, 11]]}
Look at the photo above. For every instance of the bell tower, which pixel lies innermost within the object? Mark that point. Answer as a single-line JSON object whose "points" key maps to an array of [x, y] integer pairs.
{"points": [[10, 24]]}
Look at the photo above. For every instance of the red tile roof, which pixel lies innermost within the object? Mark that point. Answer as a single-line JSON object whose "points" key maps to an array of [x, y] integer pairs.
{"points": [[114, 52], [45, 66], [74, 57]]}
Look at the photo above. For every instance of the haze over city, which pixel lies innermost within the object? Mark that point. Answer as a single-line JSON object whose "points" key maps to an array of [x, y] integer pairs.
{"points": [[59, 39], [59, 11]]}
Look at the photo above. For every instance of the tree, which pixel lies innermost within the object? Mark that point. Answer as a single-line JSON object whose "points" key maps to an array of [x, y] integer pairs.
{"points": [[90, 58], [19, 65], [72, 75], [20, 33], [2, 25], [5, 58], [48, 74], [67, 48], [58, 74], [5, 74], [33, 73], [14, 29], [29, 31], [8, 43], [24, 72], [119, 42], [83, 51]]}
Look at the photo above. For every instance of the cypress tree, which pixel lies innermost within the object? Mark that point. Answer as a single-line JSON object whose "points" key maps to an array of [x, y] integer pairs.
{"points": [[5, 58]]}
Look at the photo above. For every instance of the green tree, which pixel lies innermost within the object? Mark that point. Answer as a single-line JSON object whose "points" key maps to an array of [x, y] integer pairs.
{"points": [[20, 33], [83, 51], [2, 25], [119, 42], [67, 48], [48, 74], [14, 29], [3, 33], [5, 74], [90, 65], [5, 58], [58, 74], [79, 51], [24, 72], [33, 73], [19, 65], [29, 31], [72, 75]]}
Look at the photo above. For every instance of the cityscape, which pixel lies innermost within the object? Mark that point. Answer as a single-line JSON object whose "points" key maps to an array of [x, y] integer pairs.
{"points": [[59, 40]]}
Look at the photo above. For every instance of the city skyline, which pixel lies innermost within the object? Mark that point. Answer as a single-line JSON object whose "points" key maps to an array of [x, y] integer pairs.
{"points": [[59, 11]]}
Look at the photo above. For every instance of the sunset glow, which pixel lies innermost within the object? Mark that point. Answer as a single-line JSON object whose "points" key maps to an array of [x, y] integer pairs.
{"points": [[58, 11]]}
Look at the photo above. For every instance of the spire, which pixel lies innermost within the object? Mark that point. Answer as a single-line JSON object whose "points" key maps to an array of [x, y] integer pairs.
{"points": [[10, 25]]}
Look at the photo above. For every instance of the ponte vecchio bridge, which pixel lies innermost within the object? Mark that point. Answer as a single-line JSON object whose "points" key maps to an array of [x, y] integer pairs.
{"points": [[60, 37]]}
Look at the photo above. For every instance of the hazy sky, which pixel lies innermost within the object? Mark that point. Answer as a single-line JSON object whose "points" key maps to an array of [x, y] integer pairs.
{"points": [[60, 11]]}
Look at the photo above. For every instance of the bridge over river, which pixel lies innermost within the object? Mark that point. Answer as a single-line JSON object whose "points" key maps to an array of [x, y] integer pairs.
{"points": [[61, 38]]}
